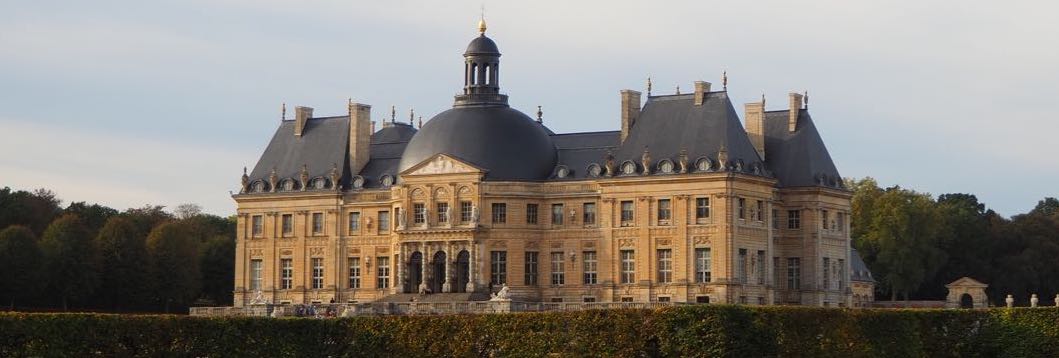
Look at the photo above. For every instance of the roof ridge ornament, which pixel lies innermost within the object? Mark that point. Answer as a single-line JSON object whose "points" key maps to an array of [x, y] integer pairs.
{"points": [[805, 97], [420, 122], [481, 22], [245, 181], [678, 89], [283, 112], [648, 86], [724, 80], [411, 116], [393, 114], [540, 115]]}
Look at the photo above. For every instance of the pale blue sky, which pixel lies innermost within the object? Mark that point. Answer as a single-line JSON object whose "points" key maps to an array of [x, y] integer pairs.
{"points": [[127, 103]]}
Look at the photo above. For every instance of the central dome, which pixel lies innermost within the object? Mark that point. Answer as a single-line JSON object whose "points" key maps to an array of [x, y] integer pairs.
{"points": [[503, 141]]}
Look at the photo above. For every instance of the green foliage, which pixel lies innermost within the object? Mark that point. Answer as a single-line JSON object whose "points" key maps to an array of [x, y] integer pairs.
{"points": [[123, 264], [20, 260], [173, 253], [33, 210], [70, 260], [690, 331], [217, 262]]}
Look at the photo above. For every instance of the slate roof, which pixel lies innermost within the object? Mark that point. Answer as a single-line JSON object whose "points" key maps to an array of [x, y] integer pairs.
{"points": [[798, 158], [860, 270], [578, 150], [387, 145], [322, 145], [668, 124]]}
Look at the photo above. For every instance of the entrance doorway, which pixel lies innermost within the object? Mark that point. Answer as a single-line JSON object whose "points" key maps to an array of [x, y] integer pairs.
{"points": [[463, 261], [438, 275], [415, 273], [966, 301]]}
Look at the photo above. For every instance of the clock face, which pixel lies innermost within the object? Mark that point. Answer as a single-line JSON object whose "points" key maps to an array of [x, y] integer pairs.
{"points": [[628, 168], [358, 182], [666, 166], [594, 170]]}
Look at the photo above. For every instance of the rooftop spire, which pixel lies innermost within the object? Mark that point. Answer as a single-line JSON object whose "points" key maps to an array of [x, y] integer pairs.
{"points": [[393, 114], [724, 80], [283, 112], [481, 22], [648, 86]]}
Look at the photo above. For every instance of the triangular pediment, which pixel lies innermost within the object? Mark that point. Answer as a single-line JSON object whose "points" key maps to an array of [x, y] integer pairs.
{"points": [[966, 282], [442, 164]]}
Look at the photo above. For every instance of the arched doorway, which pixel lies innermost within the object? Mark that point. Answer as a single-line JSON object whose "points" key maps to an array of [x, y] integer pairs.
{"points": [[463, 260], [438, 274], [415, 273], [966, 301]]}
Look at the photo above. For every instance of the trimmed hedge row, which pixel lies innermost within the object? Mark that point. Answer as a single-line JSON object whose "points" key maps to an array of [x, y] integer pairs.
{"points": [[690, 331]]}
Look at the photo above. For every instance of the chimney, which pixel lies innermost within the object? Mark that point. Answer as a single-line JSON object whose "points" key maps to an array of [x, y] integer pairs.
{"points": [[701, 89], [301, 116], [360, 126], [755, 126], [630, 110], [795, 105]]}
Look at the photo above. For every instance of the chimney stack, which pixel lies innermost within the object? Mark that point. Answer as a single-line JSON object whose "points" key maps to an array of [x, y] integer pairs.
{"points": [[795, 105], [755, 125], [301, 116], [701, 89], [360, 130], [630, 110]]}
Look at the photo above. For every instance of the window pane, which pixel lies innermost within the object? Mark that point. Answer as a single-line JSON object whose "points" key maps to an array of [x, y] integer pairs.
{"points": [[384, 221], [318, 223], [558, 269], [702, 265], [589, 211], [531, 269], [664, 210], [499, 213], [702, 208], [665, 266], [382, 279], [626, 213], [354, 222], [628, 266], [590, 267], [557, 214], [498, 272], [354, 272], [531, 213]]}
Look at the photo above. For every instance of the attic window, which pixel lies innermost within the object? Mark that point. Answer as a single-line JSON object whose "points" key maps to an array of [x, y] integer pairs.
{"points": [[666, 166], [562, 172], [594, 170], [259, 187], [628, 168], [319, 183], [703, 164], [386, 180], [288, 185], [358, 182]]}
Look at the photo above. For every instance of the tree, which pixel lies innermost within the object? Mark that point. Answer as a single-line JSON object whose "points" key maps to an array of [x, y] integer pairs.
{"points": [[147, 217], [124, 268], [187, 210], [902, 236], [174, 257], [1047, 207], [34, 210], [70, 259], [20, 260], [217, 262]]}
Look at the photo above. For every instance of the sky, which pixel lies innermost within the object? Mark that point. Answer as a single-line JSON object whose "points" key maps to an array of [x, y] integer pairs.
{"points": [[129, 103]]}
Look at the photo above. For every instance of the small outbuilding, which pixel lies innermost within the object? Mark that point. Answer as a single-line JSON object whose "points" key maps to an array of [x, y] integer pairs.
{"points": [[966, 292]]}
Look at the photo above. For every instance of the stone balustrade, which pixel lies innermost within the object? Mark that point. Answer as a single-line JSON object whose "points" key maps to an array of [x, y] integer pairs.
{"points": [[415, 308]]}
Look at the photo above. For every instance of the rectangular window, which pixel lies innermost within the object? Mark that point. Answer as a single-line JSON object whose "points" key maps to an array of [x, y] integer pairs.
{"points": [[741, 207], [558, 269], [665, 266], [794, 273], [443, 211], [354, 222], [384, 221], [702, 299], [288, 224], [663, 298], [286, 281], [740, 266], [702, 265], [466, 210], [760, 213], [318, 223], [588, 211], [557, 214], [776, 278], [588, 299], [759, 266], [531, 214], [257, 227], [532, 258], [664, 211], [590, 263], [626, 299], [628, 266], [499, 213], [419, 213], [318, 273], [498, 267], [841, 274], [827, 273], [794, 219], [354, 272], [627, 213], [255, 275], [841, 225], [775, 220], [382, 280], [824, 218], [702, 208]]}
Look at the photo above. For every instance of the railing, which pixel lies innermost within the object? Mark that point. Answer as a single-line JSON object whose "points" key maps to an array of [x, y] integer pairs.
{"points": [[415, 308]]}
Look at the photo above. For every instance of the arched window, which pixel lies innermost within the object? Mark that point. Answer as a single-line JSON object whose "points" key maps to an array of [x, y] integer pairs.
{"points": [[488, 74], [474, 73]]}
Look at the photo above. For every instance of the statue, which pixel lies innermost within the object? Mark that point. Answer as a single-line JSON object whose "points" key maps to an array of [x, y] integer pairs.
{"points": [[722, 159], [501, 295], [1057, 300], [683, 161], [259, 298], [367, 222], [1010, 301], [645, 160], [334, 176], [400, 219], [272, 179], [474, 214], [305, 177], [426, 216], [245, 181], [447, 214], [608, 164], [1033, 300]]}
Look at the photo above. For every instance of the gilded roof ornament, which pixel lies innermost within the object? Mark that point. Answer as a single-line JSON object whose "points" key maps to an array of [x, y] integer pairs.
{"points": [[481, 22]]}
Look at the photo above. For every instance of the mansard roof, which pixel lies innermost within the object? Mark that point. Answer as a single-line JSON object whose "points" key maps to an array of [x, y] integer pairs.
{"points": [[860, 270], [798, 158], [319, 148]]}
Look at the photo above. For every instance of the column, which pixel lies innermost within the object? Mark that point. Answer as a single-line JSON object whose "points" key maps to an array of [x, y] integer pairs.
{"points": [[425, 268], [401, 265], [472, 268], [450, 261]]}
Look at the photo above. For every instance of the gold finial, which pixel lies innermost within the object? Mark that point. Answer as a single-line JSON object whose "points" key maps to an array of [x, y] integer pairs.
{"points": [[724, 80], [648, 86], [540, 115], [481, 22], [806, 98], [393, 114], [283, 112]]}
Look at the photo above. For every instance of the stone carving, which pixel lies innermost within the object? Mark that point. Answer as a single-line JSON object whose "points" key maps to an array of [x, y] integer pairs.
{"points": [[447, 214], [1010, 301], [501, 295], [608, 164], [259, 298], [316, 251], [426, 216], [400, 219], [1057, 300], [626, 242], [645, 160], [683, 161], [474, 215], [442, 164], [722, 159], [245, 181], [1034, 300], [334, 177], [304, 177], [702, 240], [272, 178], [663, 242]]}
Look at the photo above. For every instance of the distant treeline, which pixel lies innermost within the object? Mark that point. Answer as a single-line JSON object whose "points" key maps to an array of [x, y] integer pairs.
{"points": [[915, 244], [92, 257]]}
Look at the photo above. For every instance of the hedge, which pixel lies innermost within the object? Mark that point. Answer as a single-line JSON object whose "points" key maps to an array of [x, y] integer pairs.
{"points": [[687, 331]]}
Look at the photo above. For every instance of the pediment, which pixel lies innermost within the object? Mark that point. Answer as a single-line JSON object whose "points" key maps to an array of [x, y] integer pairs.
{"points": [[966, 282], [442, 164]]}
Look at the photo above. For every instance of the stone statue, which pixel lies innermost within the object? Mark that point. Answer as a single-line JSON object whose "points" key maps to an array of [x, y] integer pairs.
{"points": [[426, 216], [305, 177], [1057, 300], [367, 222], [608, 164], [683, 161], [645, 160], [400, 219], [272, 179], [501, 295], [474, 214], [722, 159], [1033, 300], [1010, 301], [259, 298], [334, 177], [447, 214], [245, 181]]}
